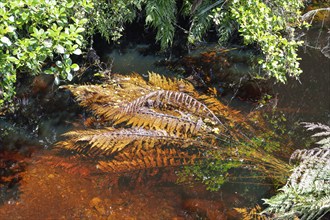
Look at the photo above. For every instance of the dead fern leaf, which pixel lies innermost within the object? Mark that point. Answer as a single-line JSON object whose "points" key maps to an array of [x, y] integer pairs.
{"points": [[174, 125], [145, 117], [106, 142], [161, 98], [222, 110], [150, 159], [173, 84], [251, 214]]}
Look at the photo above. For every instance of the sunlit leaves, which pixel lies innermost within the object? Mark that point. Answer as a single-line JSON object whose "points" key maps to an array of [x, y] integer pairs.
{"points": [[110, 17], [77, 51], [265, 25], [32, 31], [5, 40], [162, 16]]}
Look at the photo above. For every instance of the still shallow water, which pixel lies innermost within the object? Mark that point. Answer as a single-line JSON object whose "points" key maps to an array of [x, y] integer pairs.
{"points": [[47, 186]]}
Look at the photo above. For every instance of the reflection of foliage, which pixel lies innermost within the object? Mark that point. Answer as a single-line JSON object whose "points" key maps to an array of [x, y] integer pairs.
{"points": [[276, 119], [11, 166], [307, 192], [32, 32], [165, 122]]}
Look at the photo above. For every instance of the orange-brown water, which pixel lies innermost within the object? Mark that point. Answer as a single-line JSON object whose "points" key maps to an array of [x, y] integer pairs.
{"points": [[53, 187]]}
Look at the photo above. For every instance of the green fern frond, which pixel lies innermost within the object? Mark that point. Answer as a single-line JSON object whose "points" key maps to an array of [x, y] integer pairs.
{"points": [[307, 191], [162, 16], [201, 22], [325, 131]]}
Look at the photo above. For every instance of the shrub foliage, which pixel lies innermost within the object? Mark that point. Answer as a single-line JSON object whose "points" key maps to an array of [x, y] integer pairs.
{"points": [[38, 36]]}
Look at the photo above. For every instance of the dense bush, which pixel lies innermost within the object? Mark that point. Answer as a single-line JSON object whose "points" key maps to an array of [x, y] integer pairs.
{"points": [[40, 36], [269, 25], [35, 33]]}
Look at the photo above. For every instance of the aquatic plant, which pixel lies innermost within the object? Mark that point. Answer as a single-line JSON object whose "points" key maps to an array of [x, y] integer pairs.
{"points": [[306, 195], [142, 125]]}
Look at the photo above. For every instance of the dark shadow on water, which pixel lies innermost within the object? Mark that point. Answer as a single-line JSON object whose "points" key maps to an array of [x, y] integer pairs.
{"points": [[309, 98]]}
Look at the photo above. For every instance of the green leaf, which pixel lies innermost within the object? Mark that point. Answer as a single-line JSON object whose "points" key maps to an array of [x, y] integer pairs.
{"points": [[69, 77], [70, 4], [12, 59], [6, 40], [48, 43], [77, 51], [57, 80], [59, 64], [60, 49], [75, 67], [49, 71], [79, 30], [68, 70]]}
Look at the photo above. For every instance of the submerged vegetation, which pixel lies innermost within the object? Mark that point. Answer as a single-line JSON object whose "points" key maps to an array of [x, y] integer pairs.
{"points": [[143, 127], [163, 122]]}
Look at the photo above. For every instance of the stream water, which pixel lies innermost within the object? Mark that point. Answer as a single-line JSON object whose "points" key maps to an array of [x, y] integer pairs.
{"points": [[35, 183]]}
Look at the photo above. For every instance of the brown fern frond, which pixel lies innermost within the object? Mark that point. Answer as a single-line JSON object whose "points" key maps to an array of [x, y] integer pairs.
{"points": [[104, 99], [233, 116], [238, 124], [173, 84], [87, 95], [150, 119], [163, 82], [132, 81], [74, 164], [128, 161], [108, 141], [251, 214], [73, 142], [180, 100], [147, 116]]}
